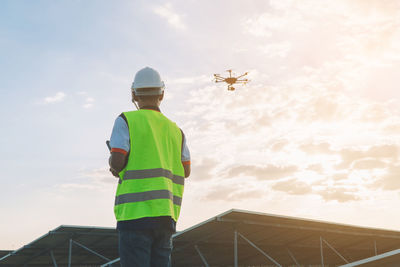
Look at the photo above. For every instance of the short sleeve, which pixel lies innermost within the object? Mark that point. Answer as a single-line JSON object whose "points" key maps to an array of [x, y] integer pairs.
{"points": [[185, 152], [120, 135]]}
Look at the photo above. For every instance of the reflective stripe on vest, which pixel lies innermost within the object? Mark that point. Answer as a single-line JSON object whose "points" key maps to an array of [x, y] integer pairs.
{"points": [[149, 195], [152, 182], [150, 173]]}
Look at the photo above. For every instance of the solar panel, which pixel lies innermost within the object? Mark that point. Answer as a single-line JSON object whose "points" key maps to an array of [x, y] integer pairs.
{"points": [[265, 239], [233, 238], [89, 246]]}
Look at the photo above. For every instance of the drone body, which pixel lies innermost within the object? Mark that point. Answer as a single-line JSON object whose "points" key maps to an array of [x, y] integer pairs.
{"points": [[231, 80]]}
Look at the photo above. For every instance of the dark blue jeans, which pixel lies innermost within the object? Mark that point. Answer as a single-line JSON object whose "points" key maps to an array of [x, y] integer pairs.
{"points": [[145, 248]]}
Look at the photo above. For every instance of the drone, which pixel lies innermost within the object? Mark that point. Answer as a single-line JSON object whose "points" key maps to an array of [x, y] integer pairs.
{"points": [[231, 80]]}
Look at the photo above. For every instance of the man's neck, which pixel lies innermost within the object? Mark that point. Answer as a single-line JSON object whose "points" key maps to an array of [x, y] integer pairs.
{"points": [[152, 107]]}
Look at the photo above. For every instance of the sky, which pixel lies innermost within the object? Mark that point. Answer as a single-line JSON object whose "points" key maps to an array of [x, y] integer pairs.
{"points": [[315, 133]]}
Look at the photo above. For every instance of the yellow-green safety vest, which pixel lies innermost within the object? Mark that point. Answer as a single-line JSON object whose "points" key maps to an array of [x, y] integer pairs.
{"points": [[152, 182]]}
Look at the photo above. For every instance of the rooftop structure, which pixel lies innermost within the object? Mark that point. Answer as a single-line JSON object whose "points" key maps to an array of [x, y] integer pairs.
{"points": [[67, 246], [234, 238], [243, 238]]}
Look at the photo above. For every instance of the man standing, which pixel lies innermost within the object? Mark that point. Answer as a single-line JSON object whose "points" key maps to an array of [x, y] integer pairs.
{"points": [[150, 157]]}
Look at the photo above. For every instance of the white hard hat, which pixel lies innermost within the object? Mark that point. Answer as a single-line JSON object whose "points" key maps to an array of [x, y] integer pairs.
{"points": [[148, 78]]}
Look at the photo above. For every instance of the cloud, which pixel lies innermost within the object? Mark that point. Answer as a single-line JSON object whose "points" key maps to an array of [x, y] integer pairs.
{"points": [[167, 12], [390, 180], [324, 188], [368, 164], [281, 4], [58, 97], [392, 128], [316, 148], [279, 132], [293, 187], [278, 145], [98, 179], [268, 172], [265, 24], [247, 194], [328, 192], [89, 102], [373, 156], [219, 193], [375, 112], [376, 6], [189, 80], [101, 175], [202, 170], [307, 117], [232, 193], [339, 194], [318, 168], [277, 49], [383, 151], [78, 186], [340, 176]]}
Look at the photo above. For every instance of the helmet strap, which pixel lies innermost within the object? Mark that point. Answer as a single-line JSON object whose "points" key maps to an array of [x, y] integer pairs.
{"points": [[135, 104]]}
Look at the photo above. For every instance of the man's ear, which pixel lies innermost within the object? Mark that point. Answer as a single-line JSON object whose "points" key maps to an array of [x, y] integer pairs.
{"points": [[161, 96]]}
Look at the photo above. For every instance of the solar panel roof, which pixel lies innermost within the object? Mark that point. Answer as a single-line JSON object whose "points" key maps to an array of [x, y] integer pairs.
{"points": [[262, 240], [90, 246], [288, 241]]}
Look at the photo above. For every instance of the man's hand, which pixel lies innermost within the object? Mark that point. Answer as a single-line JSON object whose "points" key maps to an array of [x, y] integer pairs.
{"points": [[117, 163], [187, 169], [114, 172]]}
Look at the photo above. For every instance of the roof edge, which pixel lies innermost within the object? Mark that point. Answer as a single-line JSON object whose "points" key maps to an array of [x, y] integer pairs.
{"points": [[83, 226], [310, 220], [214, 218], [217, 217]]}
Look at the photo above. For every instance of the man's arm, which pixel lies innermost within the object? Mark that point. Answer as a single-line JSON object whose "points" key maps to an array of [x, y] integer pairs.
{"points": [[120, 145], [186, 167], [117, 162], [185, 157]]}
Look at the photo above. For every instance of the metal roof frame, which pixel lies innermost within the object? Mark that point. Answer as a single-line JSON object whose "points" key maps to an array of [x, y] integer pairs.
{"points": [[374, 260], [334, 243], [58, 243], [233, 238]]}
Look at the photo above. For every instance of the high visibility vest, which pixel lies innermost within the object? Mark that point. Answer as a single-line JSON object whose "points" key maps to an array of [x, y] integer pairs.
{"points": [[152, 182]]}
